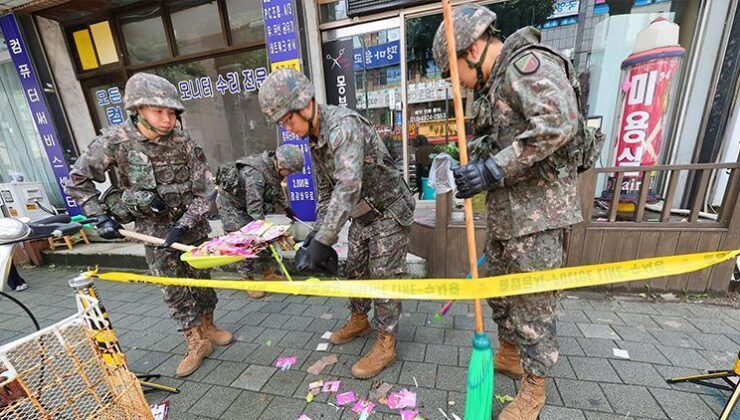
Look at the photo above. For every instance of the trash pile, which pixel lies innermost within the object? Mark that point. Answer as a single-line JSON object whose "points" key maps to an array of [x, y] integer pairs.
{"points": [[248, 241]]}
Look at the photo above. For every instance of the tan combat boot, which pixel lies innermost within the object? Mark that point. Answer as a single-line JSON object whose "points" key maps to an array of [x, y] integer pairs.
{"points": [[382, 355], [507, 360], [528, 402], [213, 333], [356, 326], [198, 349]]}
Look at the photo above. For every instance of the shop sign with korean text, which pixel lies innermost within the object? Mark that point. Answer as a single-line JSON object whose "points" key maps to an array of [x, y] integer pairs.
{"points": [[34, 95]]}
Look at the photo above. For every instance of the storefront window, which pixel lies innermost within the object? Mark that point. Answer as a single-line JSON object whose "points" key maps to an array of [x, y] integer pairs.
{"points": [[330, 11], [197, 26], [22, 155], [143, 35], [245, 20], [220, 97]]}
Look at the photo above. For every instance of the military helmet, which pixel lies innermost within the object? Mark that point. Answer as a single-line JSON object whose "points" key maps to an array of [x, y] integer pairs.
{"points": [[146, 89], [283, 91], [470, 22], [290, 157]]}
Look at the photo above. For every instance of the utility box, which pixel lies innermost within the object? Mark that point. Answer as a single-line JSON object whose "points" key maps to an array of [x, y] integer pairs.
{"points": [[22, 199]]}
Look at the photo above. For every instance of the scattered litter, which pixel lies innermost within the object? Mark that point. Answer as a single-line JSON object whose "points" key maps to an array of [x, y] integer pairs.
{"points": [[336, 407], [285, 363], [402, 399], [346, 398], [444, 414], [331, 386], [304, 417], [364, 415], [322, 364], [451, 403], [668, 297], [409, 414], [415, 382], [380, 390], [317, 384], [327, 335], [309, 397], [624, 354], [326, 316], [572, 297], [503, 398], [322, 347], [160, 411], [362, 406], [455, 416], [315, 391], [269, 343]]}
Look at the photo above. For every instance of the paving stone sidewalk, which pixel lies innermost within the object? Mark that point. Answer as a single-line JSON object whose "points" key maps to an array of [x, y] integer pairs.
{"points": [[239, 382]]}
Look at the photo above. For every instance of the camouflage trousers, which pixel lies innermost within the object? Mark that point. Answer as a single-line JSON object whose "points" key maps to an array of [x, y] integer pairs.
{"points": [[186, 303], [528, 321], [233, 218], [378, 251]]}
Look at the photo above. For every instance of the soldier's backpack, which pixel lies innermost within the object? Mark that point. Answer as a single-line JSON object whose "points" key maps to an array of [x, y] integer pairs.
{"points": [[585, 149]]}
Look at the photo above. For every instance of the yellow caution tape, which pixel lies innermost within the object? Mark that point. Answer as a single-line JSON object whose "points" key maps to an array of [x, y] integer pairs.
{"points": [[459, 289]]}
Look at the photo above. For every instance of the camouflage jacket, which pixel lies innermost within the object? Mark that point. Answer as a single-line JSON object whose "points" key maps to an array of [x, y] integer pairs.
{"points": [[528, 110], [351, 163], [254, 183], [172, 167]]}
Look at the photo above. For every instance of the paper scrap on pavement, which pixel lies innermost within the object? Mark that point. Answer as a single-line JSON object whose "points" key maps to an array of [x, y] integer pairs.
{"points": [[316, 368], [409, 414], [327, 335], [624, 354], [503, 398], [330, 359], [285, 363], [402, 399], [309, 397], [326, 316], [317, 384], [380, 391], [304, 417], [346, 398], [331, 386], [160, 411], [322, 347], [363, 405]]}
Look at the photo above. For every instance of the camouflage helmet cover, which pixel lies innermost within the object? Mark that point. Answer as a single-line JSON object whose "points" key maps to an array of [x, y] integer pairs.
{"points": [[283, 91], [470, 22], [146, 89], [290, 157]]}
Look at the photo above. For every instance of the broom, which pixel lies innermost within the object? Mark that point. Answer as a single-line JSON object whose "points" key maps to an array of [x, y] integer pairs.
{"points": [[479, 400]]}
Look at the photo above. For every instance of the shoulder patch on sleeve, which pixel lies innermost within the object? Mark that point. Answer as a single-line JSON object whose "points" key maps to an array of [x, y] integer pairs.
{"points": [[336, 137], [200, 153], [527, 63]]}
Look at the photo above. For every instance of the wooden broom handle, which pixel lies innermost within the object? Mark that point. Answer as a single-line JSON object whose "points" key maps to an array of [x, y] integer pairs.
{"points": [[153, 240], [460, 124]]}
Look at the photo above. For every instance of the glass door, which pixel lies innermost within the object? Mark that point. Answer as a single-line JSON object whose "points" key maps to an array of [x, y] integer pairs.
{"points": [[362, 70]]}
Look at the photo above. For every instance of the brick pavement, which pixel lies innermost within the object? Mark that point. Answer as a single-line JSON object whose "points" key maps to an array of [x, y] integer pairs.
{"points": [[239, 382]]}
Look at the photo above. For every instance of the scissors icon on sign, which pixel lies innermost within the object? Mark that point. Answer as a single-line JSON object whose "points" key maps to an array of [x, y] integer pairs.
{"points": [[335, 60]]}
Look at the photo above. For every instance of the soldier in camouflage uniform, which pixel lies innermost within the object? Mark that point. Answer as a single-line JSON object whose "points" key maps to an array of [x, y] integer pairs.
{"points": [[357, 182], [526, 114], [248, 189], [165, 187]]}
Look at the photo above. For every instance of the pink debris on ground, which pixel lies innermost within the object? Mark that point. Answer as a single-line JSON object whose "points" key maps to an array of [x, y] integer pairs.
{"points": [[402, 399], [346, 398]]}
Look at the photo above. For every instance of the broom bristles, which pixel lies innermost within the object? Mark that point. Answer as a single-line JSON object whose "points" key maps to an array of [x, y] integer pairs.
{"points": [[479, 399]]}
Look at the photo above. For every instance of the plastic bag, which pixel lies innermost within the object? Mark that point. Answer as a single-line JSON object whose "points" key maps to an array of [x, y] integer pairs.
{"points": [[440, 173]]}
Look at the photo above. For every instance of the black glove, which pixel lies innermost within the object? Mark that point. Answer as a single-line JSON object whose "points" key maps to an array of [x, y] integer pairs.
{"points": [[476, 177], [317, 257], [173, 236], [107, 227], [309, 238], [290, 213], [158, 205]]}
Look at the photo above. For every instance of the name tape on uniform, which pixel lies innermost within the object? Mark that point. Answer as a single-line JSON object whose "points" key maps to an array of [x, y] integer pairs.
{"points": [[457, 289]]}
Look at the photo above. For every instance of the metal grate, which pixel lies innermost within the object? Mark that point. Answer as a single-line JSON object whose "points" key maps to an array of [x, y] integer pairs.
{"points": [[59, 373]]}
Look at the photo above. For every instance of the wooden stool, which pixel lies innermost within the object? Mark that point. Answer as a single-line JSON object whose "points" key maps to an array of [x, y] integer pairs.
{"points": [[68, 240]]}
